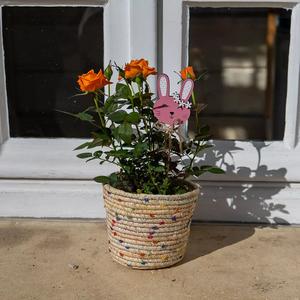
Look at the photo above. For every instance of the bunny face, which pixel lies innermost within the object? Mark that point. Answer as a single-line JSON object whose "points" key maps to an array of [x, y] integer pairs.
{"points": [[169, 110]]}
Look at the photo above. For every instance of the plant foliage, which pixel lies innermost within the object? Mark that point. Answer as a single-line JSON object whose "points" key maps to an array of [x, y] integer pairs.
{"points": [[152, 157]]}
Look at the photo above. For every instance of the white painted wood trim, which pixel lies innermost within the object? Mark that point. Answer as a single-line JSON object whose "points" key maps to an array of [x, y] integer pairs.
{"points": [[292, 115], [172, 40], [47, 159], [116, 33], [4, 127], [54, 159], [51, 199], [219, 201], [143, 33]]}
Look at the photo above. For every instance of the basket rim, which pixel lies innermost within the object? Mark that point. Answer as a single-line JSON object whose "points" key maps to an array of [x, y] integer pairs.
{"points": [[194, 192]]}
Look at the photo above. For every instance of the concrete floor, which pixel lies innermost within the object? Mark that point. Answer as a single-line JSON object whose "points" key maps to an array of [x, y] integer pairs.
{"points": [[39, 260]]}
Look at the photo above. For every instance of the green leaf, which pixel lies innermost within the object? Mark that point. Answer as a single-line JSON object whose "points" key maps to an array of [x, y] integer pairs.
{"points": [[97, 154], [84, 155], [102, 179], [101, 138], [113, 179], [118, 153], [82, 115], [139, 149], [121, 72], [108, 72], [115, 133], [85, 117], [118, 116], [101, 141], [133, 118], [110, 104], [198, 171], [123, 91], [82, 146], [159, 169], [216, 170], [125, 132], [203, 133]]}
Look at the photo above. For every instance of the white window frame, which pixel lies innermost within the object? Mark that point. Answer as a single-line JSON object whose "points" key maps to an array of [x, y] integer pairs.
{"points": [[45, 158], [42, 177], [274, 198], [277, 154]]}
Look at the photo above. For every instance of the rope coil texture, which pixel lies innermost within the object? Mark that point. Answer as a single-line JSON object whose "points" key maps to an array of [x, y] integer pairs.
{"points": [[148, 231]]}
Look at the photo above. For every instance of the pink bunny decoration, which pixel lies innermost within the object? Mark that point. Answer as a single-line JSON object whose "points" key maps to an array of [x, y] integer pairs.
{"points": [[172, 110]]}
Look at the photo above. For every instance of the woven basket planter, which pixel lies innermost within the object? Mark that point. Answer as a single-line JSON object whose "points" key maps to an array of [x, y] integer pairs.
{"points": [[148, 231]]}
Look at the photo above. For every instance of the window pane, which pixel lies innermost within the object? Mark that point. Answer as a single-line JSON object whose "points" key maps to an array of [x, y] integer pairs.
{"points": [[45, 50], [245, 54]]}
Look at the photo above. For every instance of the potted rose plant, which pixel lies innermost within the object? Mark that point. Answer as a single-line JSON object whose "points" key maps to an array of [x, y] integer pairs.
{"points": [[149, 201]]}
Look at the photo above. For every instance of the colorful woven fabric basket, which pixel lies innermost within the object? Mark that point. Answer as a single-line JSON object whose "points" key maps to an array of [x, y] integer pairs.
{"points": [[148, 231]]}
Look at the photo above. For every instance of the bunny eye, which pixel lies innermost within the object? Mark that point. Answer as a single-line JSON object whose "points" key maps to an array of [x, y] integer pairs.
{"points": [[161, 106]]}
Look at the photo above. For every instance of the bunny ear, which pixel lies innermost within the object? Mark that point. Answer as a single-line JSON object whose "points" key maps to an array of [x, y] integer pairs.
{"points": [[163, 85], [186, 89]]}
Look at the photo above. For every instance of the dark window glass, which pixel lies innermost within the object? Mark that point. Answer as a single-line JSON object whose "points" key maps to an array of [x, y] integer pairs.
{"points": [[245, 54], [46, 48]]}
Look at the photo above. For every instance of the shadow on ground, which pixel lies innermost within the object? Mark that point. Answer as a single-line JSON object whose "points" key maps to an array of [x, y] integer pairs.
{"points": [[205, 241]]}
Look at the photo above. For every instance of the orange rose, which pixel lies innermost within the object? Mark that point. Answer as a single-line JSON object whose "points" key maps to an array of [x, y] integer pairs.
{"points": [[187, 72], [132, 70], [91, 81], [148, 71], [138, 67]]}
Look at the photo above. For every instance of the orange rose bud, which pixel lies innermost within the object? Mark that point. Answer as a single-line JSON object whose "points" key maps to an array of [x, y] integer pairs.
{"points": [[91, 81], [138, 67], [187, 72]]}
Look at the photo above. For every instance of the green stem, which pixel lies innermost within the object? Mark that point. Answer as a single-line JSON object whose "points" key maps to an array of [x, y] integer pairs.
{"points": [[152, 178], [197, 121], [132, 104], [196, 111], [138, 131], [193, 98], [143, 117], [169, 136], [111, 162], [194, 156], [151, 136], [140, 94], [102, 121]]}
